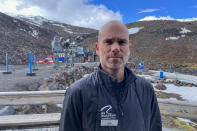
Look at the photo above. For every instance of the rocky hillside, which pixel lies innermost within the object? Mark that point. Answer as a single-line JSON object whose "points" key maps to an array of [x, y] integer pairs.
{"points": [[165, 42], [169, 42], [19, 35]]}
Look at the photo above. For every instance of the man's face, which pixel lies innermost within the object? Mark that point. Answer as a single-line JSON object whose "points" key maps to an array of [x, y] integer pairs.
{"points": [[113, 47]]}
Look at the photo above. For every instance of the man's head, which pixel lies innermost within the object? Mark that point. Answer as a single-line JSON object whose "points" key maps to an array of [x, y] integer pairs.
{"points": [[113, 46]]}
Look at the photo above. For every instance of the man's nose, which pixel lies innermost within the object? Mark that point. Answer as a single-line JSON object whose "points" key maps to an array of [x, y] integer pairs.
{"points": [[115, 47]]}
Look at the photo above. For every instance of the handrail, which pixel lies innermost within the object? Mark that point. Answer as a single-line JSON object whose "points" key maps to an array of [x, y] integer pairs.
{"points": [[177, 108], [32, 97]]}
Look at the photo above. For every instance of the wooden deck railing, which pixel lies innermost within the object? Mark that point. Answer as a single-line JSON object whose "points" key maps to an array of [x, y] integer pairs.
{"points": [[179, 109]]}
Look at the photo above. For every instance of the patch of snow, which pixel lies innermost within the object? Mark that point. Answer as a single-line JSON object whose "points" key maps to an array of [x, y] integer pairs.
{"points": [[35, 33], [184, 30], [172, 38], [60, 25], [68, 30], [186, 120], [59, 105], [187, 93], [170, 129], [182, 35], [23, 30], [67, 40], [177, 76], [15, 21], [85, 33], [73, 43], [35, 20], [135, 30], [173, 99]]}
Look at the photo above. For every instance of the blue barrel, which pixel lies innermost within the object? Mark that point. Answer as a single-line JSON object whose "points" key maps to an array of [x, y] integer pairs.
{"points": [[141, 67], [161, 75]]}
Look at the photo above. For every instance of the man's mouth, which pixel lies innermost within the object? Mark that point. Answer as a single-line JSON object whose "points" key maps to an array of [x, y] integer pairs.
{"points": [[115, 57]]}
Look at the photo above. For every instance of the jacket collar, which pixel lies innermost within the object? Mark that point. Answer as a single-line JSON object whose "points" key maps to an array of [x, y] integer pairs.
{"points": [[109, 81]]}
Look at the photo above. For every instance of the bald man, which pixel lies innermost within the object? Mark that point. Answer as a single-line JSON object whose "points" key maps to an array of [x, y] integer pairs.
{"points": [[112, 98]]}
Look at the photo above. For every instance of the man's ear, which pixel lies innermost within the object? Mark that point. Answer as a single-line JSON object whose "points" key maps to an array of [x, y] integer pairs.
{"points": [[97, 48]]}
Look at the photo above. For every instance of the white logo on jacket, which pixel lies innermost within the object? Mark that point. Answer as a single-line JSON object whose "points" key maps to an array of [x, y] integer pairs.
{"points": [[108, 107], [108, 118]]}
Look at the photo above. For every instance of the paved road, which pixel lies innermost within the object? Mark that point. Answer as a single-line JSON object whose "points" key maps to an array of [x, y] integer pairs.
{"points": [[8, 81]]}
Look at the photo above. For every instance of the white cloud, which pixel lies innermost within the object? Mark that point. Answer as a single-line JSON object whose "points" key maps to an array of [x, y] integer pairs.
{"points": [[147, 10], [149, 18], [11, 7], [75, 12]]}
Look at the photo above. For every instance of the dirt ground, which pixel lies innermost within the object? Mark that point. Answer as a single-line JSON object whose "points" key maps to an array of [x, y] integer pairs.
{"points": [[17, 81]]}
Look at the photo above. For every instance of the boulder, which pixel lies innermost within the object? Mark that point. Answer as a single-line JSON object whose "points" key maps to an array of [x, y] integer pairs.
{"points": [[160, 86]]}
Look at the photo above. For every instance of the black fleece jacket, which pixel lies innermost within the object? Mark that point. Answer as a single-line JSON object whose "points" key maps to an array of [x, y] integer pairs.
{"points": [[98, 103]]}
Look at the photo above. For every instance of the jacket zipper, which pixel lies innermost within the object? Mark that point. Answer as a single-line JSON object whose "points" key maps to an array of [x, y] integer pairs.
{"points": [[121, 113]]}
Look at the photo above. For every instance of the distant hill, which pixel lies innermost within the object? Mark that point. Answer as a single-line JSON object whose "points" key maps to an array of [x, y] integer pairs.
{"points": [[164, 41], [161, 41]]}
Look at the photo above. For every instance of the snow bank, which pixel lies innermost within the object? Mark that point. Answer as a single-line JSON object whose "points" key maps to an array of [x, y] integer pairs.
{"points": [[184, 30], [172, 38], [177, 76], [134, 30], [187, 93]]}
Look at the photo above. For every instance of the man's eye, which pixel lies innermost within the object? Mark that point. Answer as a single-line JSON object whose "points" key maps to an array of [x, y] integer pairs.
{"points": [[109, 42], [121, 42]]}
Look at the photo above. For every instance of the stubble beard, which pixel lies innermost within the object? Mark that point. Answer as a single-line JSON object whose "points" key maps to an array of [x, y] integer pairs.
{"points": [[114, 65]]}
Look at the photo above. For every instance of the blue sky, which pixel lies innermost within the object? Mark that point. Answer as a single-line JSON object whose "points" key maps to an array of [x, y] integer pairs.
{"points": [[95, 13], [133, 10]]}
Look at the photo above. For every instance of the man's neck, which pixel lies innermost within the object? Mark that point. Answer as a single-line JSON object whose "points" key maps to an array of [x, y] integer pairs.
{"points": [[118, 74]]}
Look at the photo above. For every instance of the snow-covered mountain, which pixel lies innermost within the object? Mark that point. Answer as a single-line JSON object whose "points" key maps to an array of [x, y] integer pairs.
{"points": [[35, 20]]}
